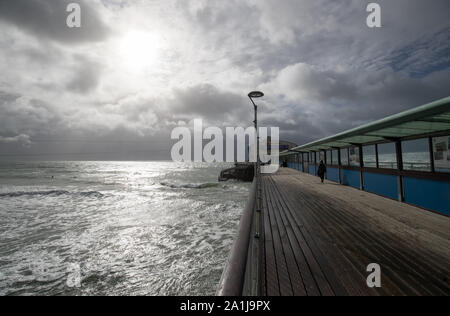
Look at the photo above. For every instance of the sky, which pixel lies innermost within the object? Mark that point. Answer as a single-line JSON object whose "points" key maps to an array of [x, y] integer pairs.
{"points": [[115, 88]]}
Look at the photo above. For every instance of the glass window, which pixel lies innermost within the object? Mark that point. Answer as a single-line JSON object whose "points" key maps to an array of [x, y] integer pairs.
{"points": [[416, 155], [344, 156], [387, 157], [329, 157], [369, 157], [321, 157], [354, 156], [311, 157], [335, 158], [305, 157], [441, 154]]}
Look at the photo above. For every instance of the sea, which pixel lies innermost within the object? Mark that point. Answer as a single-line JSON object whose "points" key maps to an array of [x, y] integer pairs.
{"points": [[115, 228]]}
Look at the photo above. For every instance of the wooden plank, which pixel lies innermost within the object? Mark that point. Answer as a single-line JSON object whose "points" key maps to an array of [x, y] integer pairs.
{"points": [[329, 275], [364, 256], [262, 257], [359, 253], [394, 256], [320, 280], [366, 231], [312, 262], [364, 248], [294, 273], [350, 276], [283, 273], [303, 266], [271, 277], [342, 227]]}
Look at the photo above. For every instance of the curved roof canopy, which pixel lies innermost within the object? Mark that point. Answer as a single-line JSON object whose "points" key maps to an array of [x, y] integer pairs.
{"points": [[424, 120]]}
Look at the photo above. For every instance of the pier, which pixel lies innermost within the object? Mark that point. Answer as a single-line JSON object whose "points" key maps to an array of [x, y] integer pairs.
{"points": [[379, 205], [318, 239]]}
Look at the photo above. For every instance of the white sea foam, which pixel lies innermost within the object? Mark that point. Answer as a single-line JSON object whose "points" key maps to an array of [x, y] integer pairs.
{"points": [[148, 228]]}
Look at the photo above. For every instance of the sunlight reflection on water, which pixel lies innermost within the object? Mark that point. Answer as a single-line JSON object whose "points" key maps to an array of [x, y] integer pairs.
{"points": [[131, 228]]}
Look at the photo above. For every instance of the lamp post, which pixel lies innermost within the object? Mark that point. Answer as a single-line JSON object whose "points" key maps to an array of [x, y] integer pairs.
{"points": [[253, 95], [257, 244]]}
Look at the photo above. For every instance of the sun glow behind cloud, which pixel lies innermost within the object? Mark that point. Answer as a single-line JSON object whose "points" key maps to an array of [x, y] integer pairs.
{"points": [[139, 51]]}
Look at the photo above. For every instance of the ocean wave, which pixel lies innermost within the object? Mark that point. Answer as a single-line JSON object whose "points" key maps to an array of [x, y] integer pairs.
{"points": [[190, 185], [51, 193]]}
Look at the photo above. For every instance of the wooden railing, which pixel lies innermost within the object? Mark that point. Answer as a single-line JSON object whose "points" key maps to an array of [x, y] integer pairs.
{"points": [[233, 276]]}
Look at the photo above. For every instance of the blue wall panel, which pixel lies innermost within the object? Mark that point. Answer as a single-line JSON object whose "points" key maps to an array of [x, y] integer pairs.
{"points": [[382, 184], [430, 194], [333, 174], [350, 178]]}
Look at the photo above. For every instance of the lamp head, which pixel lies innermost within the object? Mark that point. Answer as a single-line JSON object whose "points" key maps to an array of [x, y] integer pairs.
{"points": [[255, 94]]}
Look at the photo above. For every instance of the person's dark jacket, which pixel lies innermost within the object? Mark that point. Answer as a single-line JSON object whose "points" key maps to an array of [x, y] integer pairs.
{"points": [[322, 170]]}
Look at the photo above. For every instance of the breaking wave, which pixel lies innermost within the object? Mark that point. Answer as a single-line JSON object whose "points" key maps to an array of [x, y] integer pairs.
{"points": [[51, 193], [190, 185]]}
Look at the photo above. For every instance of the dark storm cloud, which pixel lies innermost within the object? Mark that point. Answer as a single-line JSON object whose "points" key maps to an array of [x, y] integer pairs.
{"points": [[22, 115], [423, 56], [86, 77], [208, 102], [6, 97], [41, 56], [327, 102], [47, 19]]}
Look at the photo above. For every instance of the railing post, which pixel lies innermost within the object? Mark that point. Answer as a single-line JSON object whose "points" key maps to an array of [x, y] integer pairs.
{"points": [[376, 156], [430, 145], [361, 166], [398, 150], [339, 164]]}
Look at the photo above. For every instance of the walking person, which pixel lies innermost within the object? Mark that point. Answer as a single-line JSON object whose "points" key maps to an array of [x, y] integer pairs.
{"points": [[321, 171]]}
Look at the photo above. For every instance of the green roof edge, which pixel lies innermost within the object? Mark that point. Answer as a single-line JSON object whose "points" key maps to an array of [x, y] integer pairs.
{"points": [[433, 108]]}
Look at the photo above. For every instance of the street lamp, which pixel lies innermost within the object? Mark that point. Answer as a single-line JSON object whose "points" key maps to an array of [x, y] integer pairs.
{"points": [[253, 95], [256, 248], [256, 94]]}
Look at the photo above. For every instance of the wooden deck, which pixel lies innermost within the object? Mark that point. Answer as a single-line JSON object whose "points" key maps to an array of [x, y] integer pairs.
{"points": [[318, 239]]}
